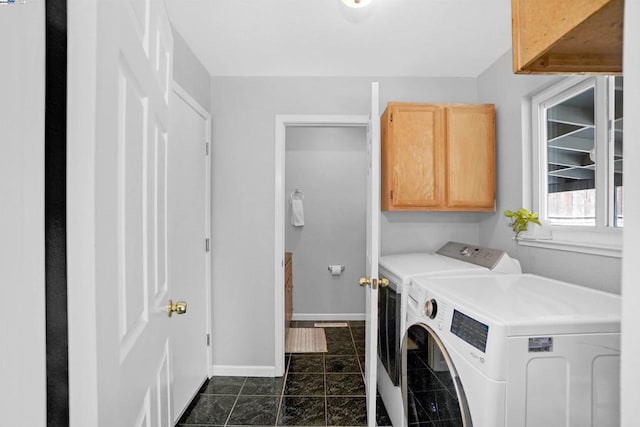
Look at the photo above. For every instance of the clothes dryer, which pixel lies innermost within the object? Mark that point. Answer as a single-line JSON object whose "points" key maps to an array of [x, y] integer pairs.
{"points": [[510, 351]]}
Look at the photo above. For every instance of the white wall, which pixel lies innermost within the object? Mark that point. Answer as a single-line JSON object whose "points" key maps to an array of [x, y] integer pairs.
{"points": [[631, 267], [510, 93], [244, 110], [22, 317], [329, 165], [189, 72]]}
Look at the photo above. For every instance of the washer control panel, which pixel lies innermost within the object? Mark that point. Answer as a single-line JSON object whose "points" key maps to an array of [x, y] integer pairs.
{"points": [[478, 255], [470, 330]]}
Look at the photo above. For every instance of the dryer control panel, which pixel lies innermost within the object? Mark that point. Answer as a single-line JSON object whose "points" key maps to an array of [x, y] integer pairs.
{"points": [[478, 255]]}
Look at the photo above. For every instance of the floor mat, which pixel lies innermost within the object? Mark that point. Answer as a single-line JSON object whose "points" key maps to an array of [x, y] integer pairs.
{"points": [[305, 340]]}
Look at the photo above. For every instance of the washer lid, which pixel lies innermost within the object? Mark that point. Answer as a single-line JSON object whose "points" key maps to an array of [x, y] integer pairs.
{"points": [[400, 268], [527, 304]]}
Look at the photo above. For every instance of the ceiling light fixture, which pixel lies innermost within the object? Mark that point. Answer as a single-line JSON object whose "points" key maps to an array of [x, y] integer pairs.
{"points": [[356, 3]]}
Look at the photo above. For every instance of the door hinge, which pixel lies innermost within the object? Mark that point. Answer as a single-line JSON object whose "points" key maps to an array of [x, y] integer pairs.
{"points": [[206, 244], [391, 117], [208, 340], [391, 194], [206, 148]]}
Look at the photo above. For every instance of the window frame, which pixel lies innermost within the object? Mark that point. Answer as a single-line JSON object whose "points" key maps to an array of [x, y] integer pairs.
{"points": [[603, 238]]}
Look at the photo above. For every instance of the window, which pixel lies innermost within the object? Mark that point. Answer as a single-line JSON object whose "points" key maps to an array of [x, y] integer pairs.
{"points": [[577, 155]]}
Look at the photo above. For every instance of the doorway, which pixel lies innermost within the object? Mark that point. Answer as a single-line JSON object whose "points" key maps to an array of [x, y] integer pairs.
{"points": [[325, 171], [282, 124]]}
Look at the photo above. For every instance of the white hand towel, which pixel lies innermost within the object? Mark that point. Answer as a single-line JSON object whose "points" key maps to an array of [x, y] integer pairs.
{"points": [[297, 213]]}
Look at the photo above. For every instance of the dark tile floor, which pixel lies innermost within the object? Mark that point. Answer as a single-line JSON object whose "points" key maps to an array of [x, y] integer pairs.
{"points": [[318, 389]]}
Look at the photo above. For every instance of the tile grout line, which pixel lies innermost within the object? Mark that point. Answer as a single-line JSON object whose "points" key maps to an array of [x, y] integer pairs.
{"points": [[353, 340], [324, 377], [236, 401], [284, 384]]}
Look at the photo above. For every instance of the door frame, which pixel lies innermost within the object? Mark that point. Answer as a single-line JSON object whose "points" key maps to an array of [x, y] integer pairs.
{"points": [[282, 123], [195, 105]]}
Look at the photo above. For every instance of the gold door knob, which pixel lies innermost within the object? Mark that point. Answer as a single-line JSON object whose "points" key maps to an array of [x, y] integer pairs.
{"points": [[364, 281], [180, 307]]}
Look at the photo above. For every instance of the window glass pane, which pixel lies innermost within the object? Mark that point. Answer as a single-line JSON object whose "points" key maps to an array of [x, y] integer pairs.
{"points": [[618, 212], [571, 194]]}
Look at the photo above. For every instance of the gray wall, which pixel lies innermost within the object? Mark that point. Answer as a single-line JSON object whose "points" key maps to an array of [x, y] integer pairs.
{"points": [[22, 279], [511, 94], [244, 110], [189, 72], [422, 231], [329, 165]]}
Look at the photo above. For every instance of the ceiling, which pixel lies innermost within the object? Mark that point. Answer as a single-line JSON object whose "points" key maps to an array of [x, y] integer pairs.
{"points": [[458, 38]]}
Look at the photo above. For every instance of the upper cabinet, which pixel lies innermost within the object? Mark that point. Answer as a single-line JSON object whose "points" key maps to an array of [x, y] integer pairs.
{"points": [[438, 157], [567, 36]]}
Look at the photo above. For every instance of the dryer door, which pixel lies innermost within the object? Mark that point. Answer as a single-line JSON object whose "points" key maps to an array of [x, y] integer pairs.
{"points": [[431, 389]]}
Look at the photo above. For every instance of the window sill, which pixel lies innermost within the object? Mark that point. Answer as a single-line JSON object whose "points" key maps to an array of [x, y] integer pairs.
{"points": [[607, 244]]}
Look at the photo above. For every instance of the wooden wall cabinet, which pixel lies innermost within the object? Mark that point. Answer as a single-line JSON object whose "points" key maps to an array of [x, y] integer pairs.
{"points": [[288, 288], [567, 36], [438, 157]]}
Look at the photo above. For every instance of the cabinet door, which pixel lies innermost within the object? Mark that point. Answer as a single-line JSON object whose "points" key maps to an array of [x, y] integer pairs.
{"points": [[470, 155], [413, 157]]}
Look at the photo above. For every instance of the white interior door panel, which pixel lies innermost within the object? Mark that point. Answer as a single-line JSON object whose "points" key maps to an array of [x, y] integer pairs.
{"points": [[144, 69], [373, 253]]}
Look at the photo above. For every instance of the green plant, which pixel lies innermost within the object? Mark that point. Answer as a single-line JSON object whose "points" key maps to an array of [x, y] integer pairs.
{"points": [[521, 218]]}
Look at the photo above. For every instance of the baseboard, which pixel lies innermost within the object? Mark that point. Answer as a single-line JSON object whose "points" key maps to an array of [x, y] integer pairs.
{"points": [[243, 371], [329, 317]]}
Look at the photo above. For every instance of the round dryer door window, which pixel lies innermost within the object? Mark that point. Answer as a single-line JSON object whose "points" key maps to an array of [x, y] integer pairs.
{"points": [[431, 388]]}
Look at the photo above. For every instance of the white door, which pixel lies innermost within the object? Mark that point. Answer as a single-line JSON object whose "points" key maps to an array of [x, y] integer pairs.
{"points": [[119, 79], [145, 48], [373, 252], [186, 230]]}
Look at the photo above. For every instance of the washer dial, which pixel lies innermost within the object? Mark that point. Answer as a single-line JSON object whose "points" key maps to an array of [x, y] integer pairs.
{"points": [[431, 308]]}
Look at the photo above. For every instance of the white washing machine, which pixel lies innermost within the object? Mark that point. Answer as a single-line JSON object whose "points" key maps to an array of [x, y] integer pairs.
{"points": [[451, 259], [510, 351]]}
